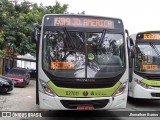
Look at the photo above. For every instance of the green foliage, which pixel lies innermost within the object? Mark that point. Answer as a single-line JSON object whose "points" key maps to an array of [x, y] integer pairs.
{"points": [[2, 53], [16, 22]]}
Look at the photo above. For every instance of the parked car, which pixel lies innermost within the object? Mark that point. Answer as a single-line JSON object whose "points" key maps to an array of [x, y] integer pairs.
{"points": [[32, 73], [6, 84], [20, 76]]}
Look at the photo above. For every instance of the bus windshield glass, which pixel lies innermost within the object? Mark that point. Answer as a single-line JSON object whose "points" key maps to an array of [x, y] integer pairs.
{"points": [[147, 57], [77, 54]]}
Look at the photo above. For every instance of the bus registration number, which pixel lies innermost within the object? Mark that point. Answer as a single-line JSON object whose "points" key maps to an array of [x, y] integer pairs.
{"points": [[85, 107], [72, 93]]}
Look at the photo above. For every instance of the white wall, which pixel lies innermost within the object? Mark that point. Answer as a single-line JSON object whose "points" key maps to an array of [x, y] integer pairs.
{"points": [[26, 64]]}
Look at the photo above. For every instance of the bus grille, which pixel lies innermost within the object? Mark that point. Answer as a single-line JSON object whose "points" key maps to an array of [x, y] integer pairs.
{"points": [[73, 104], [83, 85], [149, 76], [154, 77], [155, 94]]}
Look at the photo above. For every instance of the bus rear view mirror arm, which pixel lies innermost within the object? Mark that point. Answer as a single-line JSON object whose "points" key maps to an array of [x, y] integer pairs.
{"points": [[35, 33]]}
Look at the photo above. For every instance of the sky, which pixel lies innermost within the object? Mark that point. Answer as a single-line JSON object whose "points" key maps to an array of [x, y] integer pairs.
{"points": [[137, 15]]}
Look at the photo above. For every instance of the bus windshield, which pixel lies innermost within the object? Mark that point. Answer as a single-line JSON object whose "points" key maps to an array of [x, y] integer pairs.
{"points": [[147, 57], [77, 54]]}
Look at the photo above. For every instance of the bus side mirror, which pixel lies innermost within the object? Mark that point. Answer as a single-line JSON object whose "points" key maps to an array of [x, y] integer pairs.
{"points": [[131, 52], [35, 33], [130, 47], [33, 39], [126, 31], [131, 56], [128, 40]]}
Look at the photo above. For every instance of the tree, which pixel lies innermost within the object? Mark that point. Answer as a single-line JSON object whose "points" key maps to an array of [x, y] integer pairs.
{"points": [[16, 21]]}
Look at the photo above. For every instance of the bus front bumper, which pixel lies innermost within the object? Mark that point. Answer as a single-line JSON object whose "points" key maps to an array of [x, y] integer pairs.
{"points": [[65, 103], [141, 92]]}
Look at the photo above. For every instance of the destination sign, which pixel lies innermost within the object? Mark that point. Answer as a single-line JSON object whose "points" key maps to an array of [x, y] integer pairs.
{"points": [[149, 36], [150, 67], [62, 65], [81, 21]]}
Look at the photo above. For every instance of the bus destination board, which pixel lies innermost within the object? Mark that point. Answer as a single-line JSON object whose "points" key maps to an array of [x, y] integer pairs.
{"points": [[82, 21], [148, 36]]}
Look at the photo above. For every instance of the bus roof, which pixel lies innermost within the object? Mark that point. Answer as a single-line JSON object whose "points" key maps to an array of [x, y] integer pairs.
{"points": [[83, 15]]}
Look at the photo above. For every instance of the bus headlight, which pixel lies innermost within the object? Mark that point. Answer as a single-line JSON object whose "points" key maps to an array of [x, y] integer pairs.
{"points": [[121, 89], [141, 83], [47, 89]]}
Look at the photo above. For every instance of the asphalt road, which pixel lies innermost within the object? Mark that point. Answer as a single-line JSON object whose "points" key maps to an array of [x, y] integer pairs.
{"points": [[24, 99]]}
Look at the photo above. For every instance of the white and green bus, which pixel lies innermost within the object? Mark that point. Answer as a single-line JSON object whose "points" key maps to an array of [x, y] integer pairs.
{"points": [[144, 79], [82, 62]]}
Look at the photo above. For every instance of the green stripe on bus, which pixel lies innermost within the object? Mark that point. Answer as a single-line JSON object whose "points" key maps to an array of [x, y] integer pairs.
{"points": [[71, 92], [151, 82]]}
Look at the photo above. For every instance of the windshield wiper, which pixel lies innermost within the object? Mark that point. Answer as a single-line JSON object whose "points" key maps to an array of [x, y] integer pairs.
{"points": [[71, 43], [70, 39], [155, 49], [102, 38]]}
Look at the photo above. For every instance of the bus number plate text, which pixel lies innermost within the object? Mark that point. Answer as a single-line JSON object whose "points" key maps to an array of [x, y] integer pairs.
{"points": [[72, 93]]}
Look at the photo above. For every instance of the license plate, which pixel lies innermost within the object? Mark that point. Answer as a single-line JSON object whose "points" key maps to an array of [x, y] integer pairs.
{"points": [[85, 107]]}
